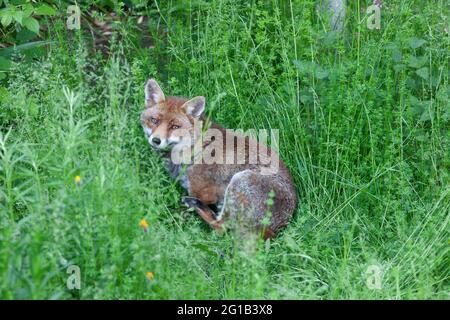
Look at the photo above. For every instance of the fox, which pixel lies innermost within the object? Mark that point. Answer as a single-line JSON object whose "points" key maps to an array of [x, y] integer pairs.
{"points": [[243, 191]]}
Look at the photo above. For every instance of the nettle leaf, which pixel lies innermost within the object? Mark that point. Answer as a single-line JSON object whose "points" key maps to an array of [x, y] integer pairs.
{"points": [[427, 115], [31, 24], [306, 96], [397, 55], [423, 73], [395, 51], [417, 62], [416, 106], [435, 81], [399, 67], [446, 115], [321, 74], [45, 10], [305, 99], [412, 83], [303, 66], [311, 68], [420, 110], [415, 43]]}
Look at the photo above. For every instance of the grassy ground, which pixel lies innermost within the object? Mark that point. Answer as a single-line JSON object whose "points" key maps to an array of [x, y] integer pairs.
{"points": [[364, 123]]}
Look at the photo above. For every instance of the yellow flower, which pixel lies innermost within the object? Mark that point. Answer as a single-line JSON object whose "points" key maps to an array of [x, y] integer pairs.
{"points": [[149, 275], [143, 223], [77, 179]]}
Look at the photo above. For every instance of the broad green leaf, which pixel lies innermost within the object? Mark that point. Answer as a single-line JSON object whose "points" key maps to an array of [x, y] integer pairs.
{"points": [[45, 10], [427, 115], [330, 38], [420, 110], [397, 55], [6, 20], [303, 66], [27, 10], [417, 62], [205, 248], [416, 106], [414, 101], [321, 74], [435, 81], [24, 35], [415, 43], [399, 67], [29, 45], [4, 93], [18, 16], [395, 51], [412, 83], [31, 24], [312, 68], [306, 96], [291, 243], [5, 64], [423, 73], [5, 11]]}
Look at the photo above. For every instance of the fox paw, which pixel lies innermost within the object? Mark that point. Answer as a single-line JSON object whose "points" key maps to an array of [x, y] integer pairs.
{"points": [[191, 202]]}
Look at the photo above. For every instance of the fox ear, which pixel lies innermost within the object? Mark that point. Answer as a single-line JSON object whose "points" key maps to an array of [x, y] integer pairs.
{"points": [[153, 93], [194, 107]]}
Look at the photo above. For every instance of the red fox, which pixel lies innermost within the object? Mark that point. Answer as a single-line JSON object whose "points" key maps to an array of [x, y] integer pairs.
{"points": [[239, 186]]}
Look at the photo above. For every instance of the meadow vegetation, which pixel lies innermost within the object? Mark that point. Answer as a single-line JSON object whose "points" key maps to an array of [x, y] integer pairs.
{"points": [[364, 124]]}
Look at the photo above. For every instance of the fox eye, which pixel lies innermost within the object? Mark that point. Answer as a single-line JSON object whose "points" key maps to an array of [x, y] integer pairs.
{"points": [[175, 127], [154, 120]]}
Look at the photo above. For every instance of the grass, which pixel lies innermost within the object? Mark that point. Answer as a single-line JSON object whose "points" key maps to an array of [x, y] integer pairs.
{"points": [[364, 124]]}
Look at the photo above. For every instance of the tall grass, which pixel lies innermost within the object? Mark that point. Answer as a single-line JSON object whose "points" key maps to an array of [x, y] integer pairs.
{"points": [[364, 128]]}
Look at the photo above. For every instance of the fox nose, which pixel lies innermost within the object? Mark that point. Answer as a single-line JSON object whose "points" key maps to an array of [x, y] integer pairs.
{"points": [[156, 141]]}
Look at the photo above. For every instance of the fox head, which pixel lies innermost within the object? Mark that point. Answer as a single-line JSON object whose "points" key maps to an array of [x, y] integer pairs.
{"points": [[168, 122]]}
